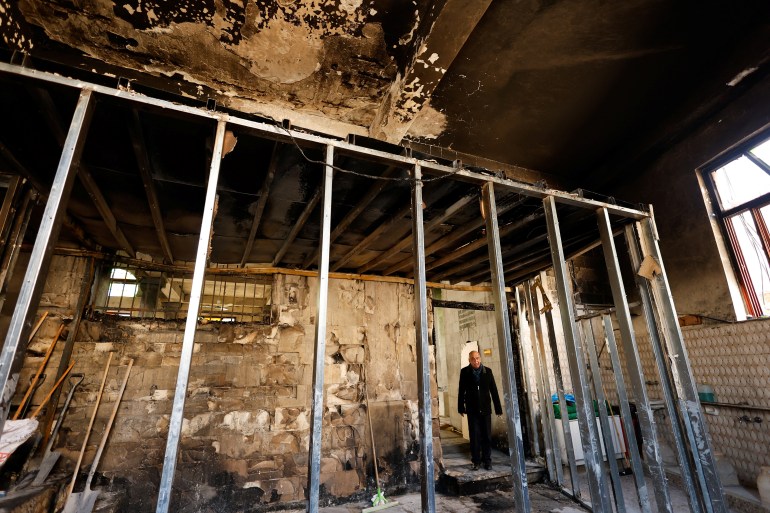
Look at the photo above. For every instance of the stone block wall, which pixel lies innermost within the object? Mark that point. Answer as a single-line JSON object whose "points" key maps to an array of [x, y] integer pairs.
{"points": [[246, 425]]}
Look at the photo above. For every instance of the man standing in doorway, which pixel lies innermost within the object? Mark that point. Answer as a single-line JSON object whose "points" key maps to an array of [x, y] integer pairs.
{"points": [[477, 385]]}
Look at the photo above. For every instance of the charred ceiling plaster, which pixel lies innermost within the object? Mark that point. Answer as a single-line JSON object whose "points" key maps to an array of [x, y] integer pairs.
{"points": [[329, 58]]}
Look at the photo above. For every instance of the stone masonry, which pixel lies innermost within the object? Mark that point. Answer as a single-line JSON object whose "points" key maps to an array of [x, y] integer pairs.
{"points": [[246, 430]]}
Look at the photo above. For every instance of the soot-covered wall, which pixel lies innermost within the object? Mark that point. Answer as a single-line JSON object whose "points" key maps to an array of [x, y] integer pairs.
{"points": [[246, 428]]}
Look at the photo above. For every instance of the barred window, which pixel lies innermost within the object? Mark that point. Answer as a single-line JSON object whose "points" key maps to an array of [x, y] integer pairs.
{"points": [[164, 293]]}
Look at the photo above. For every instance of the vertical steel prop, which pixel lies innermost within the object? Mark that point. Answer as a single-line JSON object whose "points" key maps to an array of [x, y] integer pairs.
{"points": [[319, 349], [12, 356], [645, 295], [505, 344], [188, 341], [559, 379], [575, 356], [550, 415], [628, 421], [423, 355], [689, 402], [636, 375], [609, 444], [525, 364], [542, 387]]}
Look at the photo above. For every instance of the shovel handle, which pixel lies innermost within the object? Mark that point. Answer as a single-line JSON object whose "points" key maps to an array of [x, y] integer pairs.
{"points": [[90, 425], [73, 386], [47, 397], [107, 428], [37, 374]]}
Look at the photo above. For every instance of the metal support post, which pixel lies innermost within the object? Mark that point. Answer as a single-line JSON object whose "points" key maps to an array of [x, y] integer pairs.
{"points": [[604, 421], [665, 384], [12, 356], [628, 421], [586, 420], [573, 474], [542, 386], [423, 356], [188, 341], [548, 398], [636, 374], [319, 350], [505, 344], [689, 403], [527, 377]]}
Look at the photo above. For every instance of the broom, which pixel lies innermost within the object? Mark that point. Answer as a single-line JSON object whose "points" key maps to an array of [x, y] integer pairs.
{"points": [[378, 499]]}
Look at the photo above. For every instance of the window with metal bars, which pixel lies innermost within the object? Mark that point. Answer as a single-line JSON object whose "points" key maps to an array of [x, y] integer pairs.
{"points": [[163, 293], [740, 189]]}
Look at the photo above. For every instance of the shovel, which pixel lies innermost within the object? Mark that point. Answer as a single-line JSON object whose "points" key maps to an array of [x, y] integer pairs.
{"points": [[51, 457], [84, 501]]}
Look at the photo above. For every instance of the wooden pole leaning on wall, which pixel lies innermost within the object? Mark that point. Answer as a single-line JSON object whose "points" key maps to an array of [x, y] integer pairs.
{"points": [[12, 356], [39, 372], [188, 341], [319, 345], [428, 495], [505, 344]]}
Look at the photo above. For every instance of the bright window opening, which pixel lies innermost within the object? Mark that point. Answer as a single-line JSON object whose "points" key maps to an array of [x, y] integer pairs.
{"points": [[741, 188]]}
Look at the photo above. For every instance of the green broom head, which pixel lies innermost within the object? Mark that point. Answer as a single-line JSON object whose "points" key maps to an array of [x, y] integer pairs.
{"points": [[378, 498]]}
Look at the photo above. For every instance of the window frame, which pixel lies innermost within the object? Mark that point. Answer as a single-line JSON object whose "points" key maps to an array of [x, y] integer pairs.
{"points": [[724, 217]]}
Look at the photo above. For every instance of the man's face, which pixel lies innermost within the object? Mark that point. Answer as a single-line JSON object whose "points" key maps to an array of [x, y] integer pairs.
{"points": [[475, 359]]}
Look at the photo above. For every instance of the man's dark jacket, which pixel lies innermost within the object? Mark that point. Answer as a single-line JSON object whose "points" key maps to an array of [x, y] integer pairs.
{"points": [[475, 400]]}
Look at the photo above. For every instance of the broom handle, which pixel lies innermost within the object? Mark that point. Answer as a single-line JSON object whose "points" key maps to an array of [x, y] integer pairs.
{"points": [[37, 326], [48, 397], [39, 371], [90, 425], [371, 434], [108, 427]]}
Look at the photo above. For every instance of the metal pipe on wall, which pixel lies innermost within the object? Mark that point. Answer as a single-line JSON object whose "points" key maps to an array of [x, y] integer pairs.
{"points": [[689, 403], [575, 356], [319, 348], [188, 341], [428, 492], [636, 375], [14, 348], [505, 344]]}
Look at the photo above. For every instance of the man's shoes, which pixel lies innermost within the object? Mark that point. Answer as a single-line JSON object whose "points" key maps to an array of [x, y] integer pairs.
{"points": [[487, 466], [474, 466]]}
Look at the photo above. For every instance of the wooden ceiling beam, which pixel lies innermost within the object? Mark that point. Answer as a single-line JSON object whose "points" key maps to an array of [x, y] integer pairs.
{"points": [[298, 225], [139, 144], [351, 216], [264, 192], [406, 241]]}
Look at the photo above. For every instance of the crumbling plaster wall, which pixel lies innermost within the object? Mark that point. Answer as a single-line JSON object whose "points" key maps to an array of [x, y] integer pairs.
{"points": [[246, 430]]}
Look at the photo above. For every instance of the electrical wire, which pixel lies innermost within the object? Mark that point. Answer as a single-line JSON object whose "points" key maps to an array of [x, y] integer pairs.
{"points": [[356, 173]]}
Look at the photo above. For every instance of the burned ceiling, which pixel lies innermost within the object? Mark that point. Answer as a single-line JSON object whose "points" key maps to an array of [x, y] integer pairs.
{"points": [[576, 89]]}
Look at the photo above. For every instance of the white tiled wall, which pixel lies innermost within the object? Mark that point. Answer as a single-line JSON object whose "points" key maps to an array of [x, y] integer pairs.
{"points": [[734, 359]]}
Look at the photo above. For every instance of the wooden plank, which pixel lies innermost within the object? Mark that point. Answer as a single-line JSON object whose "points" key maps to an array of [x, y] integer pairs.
{"points": [[463, 305], [298, 225], [264, 193], [100, 202]]}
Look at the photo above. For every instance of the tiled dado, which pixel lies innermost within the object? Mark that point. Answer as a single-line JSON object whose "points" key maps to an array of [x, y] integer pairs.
{"points": [[734, 360]]}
